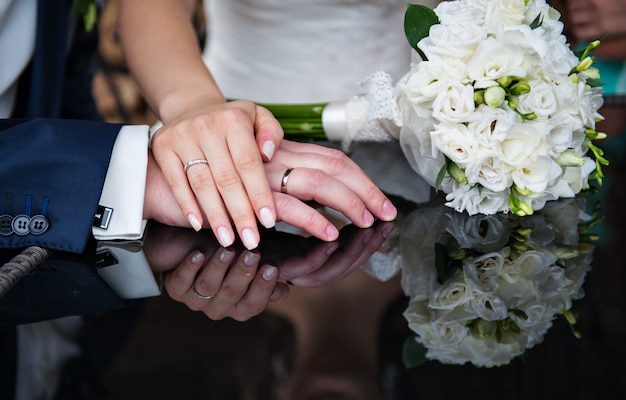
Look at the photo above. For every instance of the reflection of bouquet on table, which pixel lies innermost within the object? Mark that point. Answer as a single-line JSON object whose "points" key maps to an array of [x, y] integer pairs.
{"points": [[485, 288], [500, 114]]}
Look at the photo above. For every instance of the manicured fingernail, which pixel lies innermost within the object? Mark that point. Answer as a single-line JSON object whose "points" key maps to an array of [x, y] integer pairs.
{"points": [[194, 222], [268, 149], [267, 217], [225, 255], [224, 236], [197, 257], [368, 218], [389, 210], [270, 273], [331, 247], [276, 293], [331, 232], [387, 229], [248, 239], [250, 258]]}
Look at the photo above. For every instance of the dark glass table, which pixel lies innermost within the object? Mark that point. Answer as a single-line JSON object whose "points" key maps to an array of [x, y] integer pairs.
{"points": [[488, 296]]}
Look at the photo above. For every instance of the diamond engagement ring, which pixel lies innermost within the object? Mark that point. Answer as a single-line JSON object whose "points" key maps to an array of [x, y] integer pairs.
{"points": [[195, 161], [283, 182]]}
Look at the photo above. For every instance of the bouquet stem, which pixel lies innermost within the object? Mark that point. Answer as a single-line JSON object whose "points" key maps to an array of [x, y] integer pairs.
{"points": [[300, 122]]}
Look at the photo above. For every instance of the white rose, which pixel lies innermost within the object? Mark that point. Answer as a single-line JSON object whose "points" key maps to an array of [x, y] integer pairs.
{"points": [[577, 177], [559, 59], [455, 103], [567, 93], [490, 172], [536, 312], [455, 141], [494, 59], [549, 17], [449, 333], [505, 12], [523, 142], [564, 216], [536, 174], [560, 133], [489, 306], [533, 265], [426, 80], [418, 316], [488, 353], [482, 272], [491, 125], [474, 201], [541, 100], [457, 12], [484, 233], [589, 101], [478, 7], [453, 293], [451, 42]]}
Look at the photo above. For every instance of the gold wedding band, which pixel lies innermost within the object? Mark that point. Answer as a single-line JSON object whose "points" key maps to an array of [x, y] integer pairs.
{"points": [[195, 161], [283, 182], [198, 295]]}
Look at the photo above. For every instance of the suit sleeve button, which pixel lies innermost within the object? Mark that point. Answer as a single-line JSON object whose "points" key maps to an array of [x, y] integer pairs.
{"points": [[38, 224], [5, 225], [21, 224]]}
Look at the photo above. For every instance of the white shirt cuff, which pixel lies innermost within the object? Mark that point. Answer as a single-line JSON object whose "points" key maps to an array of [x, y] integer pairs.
{"points": [[124, 186]]}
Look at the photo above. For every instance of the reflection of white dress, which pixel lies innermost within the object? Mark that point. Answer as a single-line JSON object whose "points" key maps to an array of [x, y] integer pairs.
{"points": [[303, 51]]}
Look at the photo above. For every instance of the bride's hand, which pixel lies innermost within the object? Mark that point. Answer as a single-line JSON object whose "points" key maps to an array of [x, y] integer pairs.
{"points": [[228, 183], [328, 177]]}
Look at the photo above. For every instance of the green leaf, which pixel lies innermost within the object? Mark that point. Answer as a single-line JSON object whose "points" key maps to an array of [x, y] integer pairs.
{"points": [[89, 11], [444, 264], [536, 22], [413, 353], [417, 22], [442, 173]]}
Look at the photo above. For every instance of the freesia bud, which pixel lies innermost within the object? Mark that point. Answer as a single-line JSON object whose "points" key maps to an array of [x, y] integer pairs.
{"points": [[457, 174], [592, 73], [570, 159], [504, 81], [523, 192], [526, 208], [494, 96], [585, 64], [479, 97], [520, 88], [565, 253]]}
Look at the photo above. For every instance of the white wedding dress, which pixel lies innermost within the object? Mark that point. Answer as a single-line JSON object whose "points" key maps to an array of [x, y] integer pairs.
{"points": [[304, 51]]}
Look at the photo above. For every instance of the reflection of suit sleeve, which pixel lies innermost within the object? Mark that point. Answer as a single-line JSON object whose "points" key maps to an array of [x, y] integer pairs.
{"points": [[57, 169]]}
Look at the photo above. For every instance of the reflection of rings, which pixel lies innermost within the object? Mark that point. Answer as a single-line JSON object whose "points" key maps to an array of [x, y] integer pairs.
{"points": [[195, 161], [283, 182], [198, 295]]}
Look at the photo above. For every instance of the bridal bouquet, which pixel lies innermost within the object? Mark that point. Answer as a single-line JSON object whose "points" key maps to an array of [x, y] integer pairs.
{"points": [[485, 288], [497, 111]]}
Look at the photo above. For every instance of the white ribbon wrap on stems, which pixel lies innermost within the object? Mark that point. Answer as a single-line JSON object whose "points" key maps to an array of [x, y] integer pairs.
{"points": [[371, 117]]}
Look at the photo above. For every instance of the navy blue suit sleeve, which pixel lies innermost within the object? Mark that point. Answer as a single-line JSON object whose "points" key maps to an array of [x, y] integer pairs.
{"points": [[54, 168]]}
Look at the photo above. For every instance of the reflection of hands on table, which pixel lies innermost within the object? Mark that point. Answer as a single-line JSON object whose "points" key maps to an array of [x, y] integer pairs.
{"points": [[238, 283], [220, 282], [309, 262]]}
